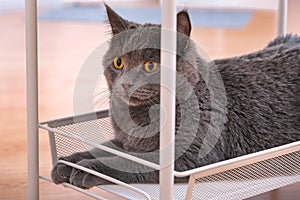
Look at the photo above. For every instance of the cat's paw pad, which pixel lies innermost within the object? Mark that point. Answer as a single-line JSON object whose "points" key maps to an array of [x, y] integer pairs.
{"points": [[83, 179], [61, 173]]}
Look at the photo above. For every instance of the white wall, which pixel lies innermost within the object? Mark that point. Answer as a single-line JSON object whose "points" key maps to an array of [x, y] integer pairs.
{"points": [[7, 5], [230, 4], [235, 4], [106, 1], [14, 5], [11, 4]]}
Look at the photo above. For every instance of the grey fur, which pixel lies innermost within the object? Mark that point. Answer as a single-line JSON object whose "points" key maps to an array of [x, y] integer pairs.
{"points": [[262, 98]]}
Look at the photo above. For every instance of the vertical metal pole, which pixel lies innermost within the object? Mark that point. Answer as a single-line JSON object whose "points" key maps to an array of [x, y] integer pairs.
{"points": [[282, 17], [167, 99], [32, 99]]}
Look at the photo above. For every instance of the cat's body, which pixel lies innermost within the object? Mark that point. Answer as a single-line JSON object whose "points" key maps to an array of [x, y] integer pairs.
{"points": [[262, 106], [263, 101]]}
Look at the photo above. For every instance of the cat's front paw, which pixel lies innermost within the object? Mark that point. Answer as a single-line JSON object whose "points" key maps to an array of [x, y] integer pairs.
{"points": [[61, 173], [86, 180]]}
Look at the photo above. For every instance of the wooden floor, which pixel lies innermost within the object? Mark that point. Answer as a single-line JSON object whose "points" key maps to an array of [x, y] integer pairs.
{"points": [[63, 47]]}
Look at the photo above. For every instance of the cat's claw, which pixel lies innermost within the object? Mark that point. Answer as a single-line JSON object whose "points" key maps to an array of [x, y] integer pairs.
{"points": [[61, 173]]}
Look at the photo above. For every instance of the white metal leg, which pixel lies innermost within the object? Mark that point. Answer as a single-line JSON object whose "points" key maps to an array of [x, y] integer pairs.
{"points": [[282, 17], [32, 99], [167, 101]]}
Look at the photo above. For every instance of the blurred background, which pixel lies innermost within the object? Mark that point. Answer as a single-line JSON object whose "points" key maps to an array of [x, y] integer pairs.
{"points": [[69, 30]]}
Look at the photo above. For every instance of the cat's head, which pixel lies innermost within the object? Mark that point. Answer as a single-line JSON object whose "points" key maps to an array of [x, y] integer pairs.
{"points": [[132, 63]]}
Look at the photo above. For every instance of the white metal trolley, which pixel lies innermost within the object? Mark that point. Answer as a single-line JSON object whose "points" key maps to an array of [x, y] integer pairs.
{"points": [[236, 178]]}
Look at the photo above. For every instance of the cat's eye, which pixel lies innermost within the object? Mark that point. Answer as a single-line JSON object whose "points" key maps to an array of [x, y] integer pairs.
{"points": [[150, 66], [118, 63]]}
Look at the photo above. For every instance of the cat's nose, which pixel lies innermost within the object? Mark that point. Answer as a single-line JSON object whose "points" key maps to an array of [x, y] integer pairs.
{"points": [[127, 86]]}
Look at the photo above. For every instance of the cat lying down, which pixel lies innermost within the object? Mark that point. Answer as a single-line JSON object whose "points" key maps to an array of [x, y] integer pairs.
{"points": [[224, 108]]}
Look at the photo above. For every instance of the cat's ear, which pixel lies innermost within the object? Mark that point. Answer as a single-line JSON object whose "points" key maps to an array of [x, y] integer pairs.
{"points": [[183, 23], [117, 23]]}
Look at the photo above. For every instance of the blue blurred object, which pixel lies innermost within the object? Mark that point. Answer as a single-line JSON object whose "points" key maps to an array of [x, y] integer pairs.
{"points": [[200, 18]]}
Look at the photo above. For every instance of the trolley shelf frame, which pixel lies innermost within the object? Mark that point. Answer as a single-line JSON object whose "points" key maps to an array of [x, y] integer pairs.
{"points": [[167, 174]]}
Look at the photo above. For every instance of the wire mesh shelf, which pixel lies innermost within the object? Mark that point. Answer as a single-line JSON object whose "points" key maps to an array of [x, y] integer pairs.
{"points": [[250, 180], [237, 178]]}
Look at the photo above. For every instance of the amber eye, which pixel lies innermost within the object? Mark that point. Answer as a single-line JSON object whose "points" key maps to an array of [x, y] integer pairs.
{"points": [[150, 66], [118, 63]]}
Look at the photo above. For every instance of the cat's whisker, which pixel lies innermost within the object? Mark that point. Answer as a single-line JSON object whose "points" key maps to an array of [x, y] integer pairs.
{"points": [[102, 92], [150, 102], [101, 101], [101, 95]]}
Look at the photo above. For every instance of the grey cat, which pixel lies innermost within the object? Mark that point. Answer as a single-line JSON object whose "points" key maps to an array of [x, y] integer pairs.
{"points": [[261, 94]]}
